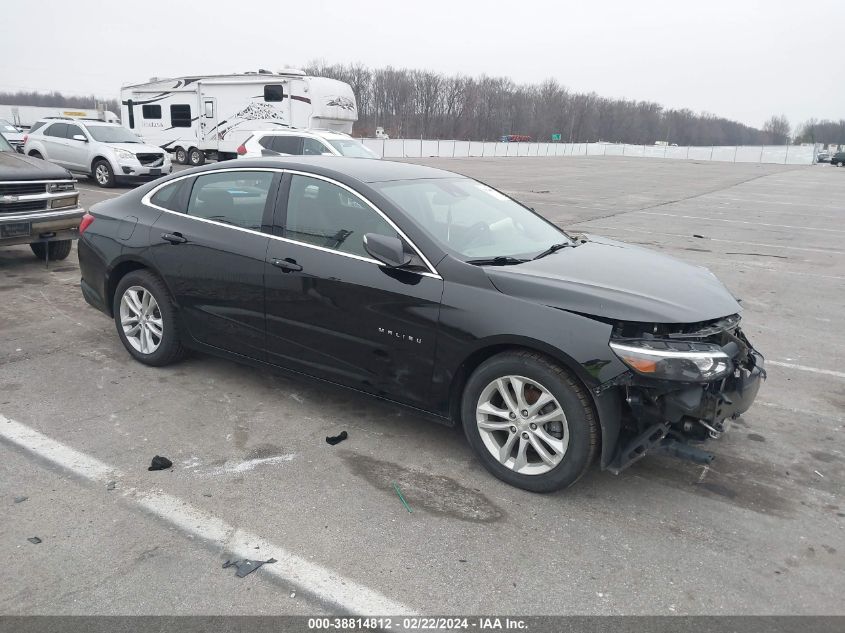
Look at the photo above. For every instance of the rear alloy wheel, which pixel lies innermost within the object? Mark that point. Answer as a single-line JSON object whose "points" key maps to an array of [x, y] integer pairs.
{"points": [[529, 421], [181, 156], [196, 157], [103, 173], [59, 249], [146, 319]]}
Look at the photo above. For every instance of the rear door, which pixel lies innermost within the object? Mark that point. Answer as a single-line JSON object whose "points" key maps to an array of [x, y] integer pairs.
{"points": [[211, 254], [54, 139], [332, 310]]}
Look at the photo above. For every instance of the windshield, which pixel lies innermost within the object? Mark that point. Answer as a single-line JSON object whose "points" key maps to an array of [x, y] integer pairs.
{"points": [[4, 145], [471, 219], [5, 126], [112, 134], [352, 148]]}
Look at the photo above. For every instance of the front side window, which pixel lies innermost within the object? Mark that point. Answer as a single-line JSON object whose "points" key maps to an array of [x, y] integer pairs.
{"points": [[237, 197], [313, 147], [73, 130], [326, 215], [471, 219], [151, 111], [274, 92], [57, 130], [180, 115]]}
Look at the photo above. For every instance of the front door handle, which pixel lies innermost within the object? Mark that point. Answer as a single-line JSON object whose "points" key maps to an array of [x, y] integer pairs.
{"points": [[174, 238], [287, 265]]}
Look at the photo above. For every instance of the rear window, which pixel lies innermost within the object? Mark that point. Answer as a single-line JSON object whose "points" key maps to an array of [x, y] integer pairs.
{"points": [[37, 125], [180, 115]]}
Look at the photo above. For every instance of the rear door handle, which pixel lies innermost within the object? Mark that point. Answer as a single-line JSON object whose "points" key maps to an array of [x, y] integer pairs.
{"points": [[287, 265], [174, 238]]}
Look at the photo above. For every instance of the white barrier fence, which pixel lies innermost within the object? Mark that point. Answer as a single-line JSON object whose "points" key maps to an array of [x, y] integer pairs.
{"points": [[422, 148]]}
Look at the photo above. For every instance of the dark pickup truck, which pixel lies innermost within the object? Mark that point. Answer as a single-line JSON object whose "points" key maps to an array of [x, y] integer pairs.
{"points": [[39, 204]]}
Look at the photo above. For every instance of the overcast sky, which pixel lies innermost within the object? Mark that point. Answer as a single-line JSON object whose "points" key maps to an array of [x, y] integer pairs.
{"points": [[743, 59]]}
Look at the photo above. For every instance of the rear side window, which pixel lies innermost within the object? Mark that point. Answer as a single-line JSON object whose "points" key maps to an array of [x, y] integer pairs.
{"points": [[154, 111], [236, 197], [57, 130], [274, 92], [287, 145], [172, 196], [180, 115]]}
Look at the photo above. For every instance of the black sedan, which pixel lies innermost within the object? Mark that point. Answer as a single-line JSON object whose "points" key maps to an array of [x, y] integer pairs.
{"points": [[434, 291]]}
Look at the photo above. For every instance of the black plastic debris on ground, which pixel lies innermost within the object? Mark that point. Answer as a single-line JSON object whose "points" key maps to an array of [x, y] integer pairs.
{"points": [[34, 540], [20, 499], [160, 463], [336, 439], [111, 485], [246, 566]]}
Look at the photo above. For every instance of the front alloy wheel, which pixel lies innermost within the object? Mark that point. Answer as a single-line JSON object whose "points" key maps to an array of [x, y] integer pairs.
{"points": [[522, 425], [530, 421], [140, 317]]}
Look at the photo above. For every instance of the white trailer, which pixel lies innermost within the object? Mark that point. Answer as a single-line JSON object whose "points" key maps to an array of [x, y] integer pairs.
{"points": [[200, 116], [24, 116]]}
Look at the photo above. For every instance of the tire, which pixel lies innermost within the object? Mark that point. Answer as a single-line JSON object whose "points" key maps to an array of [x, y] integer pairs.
{"points": [[180, 156], [103, 174], [574, 434], [196, 157], [56, 250], [162, 349]]}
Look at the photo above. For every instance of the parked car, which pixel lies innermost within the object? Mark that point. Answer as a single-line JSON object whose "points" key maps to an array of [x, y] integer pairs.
{"points": [[105, 151], [823, 156], [838, 159], [39, 204], [11, 134], [302, 143], [431, 290]]}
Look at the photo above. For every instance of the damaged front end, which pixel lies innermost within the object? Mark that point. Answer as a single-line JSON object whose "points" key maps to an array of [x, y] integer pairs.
{"points": [[684, 385]]}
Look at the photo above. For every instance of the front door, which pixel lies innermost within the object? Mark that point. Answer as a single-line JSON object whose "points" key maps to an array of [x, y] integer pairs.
{"points": [[336, 313], [212, 257], [75, 152]]}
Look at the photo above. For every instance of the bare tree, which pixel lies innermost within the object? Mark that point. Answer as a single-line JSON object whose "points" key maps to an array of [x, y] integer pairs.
{"points": [[777, 128]]}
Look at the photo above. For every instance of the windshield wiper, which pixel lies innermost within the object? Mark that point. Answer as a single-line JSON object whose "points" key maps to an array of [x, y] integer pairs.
{"points": [[552, 249], [501, 260]]}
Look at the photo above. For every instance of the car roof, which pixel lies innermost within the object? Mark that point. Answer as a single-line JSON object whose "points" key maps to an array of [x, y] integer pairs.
{"points": [[339, 167], [327, 134]]}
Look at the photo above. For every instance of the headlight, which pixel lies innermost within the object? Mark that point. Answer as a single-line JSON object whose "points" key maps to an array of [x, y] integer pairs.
{"points": [[123, 154], [674, 360]]}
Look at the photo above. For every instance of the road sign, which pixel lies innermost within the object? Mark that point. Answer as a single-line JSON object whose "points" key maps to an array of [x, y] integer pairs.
{"points": [[555, 137]]}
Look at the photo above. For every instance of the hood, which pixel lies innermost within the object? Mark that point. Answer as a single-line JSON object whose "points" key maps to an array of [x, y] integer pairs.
{"points": [[15, 166], [137, 148], [618, 281]]}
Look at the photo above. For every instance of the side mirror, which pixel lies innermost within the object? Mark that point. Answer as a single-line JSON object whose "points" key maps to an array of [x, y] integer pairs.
{"points": [[80, 137], [388, 250]]}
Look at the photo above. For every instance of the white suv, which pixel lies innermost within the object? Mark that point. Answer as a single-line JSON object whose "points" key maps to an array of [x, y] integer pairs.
{"points": [[108, 152], [302, 143]]}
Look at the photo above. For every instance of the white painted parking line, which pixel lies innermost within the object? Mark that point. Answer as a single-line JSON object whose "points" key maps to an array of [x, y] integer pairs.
{"points": [[815, 370], [111, 194], [779, 226], [320, 582]]}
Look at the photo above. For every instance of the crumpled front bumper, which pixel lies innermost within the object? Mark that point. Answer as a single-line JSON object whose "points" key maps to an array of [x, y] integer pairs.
{"points": [[676, 419]]}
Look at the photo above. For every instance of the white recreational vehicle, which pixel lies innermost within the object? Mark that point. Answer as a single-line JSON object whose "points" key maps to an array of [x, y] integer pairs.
{"points": [[199, 116]]}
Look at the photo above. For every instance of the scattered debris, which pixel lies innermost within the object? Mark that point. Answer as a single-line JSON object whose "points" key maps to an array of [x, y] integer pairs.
{"points": [[206, 494], [462, 560], [819, 474], [701, 237], [293, 594], [759, 255], [401, 497], [111, 485], [337, 439], [20, 499], [540, 191], [160, 463], [34, 540], [246, 566]]}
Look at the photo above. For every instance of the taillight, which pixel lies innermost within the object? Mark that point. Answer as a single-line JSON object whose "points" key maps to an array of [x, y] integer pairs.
{"points": [[87, 220], [241, 150], [25, 136]]}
